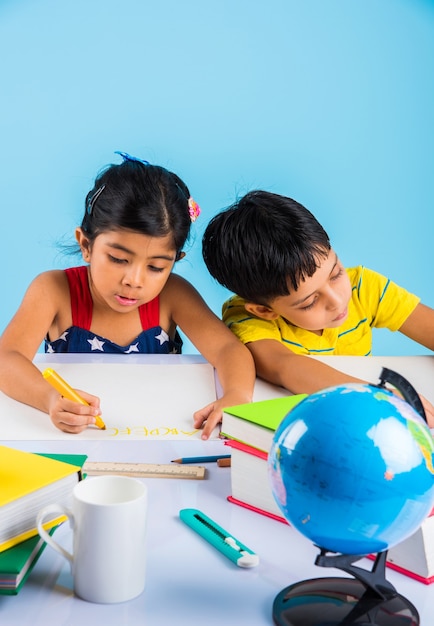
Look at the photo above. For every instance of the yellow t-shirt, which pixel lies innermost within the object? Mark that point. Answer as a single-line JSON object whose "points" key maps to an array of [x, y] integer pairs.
{"points": [[376, 302]]}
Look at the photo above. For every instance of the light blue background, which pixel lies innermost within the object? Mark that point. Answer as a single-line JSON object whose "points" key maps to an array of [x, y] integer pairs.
{"points": [[328, 101]]}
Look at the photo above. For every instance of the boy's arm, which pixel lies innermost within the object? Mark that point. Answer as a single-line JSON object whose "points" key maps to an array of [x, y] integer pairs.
{"points": [[419, 326], [300, 374], [296, 372]]}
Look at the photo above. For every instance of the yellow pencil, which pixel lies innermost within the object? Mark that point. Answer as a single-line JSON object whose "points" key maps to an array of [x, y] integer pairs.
{"points": [[64, 389]]}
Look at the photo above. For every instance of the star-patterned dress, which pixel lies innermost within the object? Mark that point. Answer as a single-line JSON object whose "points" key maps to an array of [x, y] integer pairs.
{"points": [[78, 338]]}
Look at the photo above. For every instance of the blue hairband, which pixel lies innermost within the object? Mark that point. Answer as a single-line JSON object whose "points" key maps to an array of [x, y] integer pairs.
{"points": [[128, 157]]}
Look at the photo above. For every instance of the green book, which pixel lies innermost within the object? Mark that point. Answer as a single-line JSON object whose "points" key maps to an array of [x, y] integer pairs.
{"points": [[254, 424], [17, 562]]}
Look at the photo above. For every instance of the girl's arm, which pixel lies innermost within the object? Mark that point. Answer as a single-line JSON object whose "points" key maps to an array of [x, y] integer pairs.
{"points": [[19, 377], [219, 346]]}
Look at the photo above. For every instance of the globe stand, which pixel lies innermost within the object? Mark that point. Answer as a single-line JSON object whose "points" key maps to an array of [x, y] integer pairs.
{"points": [[367, 599]]}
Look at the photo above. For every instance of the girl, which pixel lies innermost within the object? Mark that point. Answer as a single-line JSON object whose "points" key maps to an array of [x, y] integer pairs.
{"points": [[126, 299]]}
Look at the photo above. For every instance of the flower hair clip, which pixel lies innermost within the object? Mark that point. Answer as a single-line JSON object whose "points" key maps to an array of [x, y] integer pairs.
{"points": [[193, 209]]}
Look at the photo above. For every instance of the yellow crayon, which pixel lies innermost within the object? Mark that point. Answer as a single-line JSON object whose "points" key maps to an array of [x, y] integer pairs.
{"points": [[64, 389]]}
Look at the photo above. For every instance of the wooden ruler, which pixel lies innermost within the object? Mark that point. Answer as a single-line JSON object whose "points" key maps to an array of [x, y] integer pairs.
{"points": [[144, 470]]}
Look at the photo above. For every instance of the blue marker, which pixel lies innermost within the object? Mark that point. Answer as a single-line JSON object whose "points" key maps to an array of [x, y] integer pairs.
{"points": [[219, 538]]}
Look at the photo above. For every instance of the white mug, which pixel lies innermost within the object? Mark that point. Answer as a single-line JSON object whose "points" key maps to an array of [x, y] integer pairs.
{"points": [[108, 518]]}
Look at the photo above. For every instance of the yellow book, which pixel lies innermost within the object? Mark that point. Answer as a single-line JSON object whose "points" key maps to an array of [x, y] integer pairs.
{"points": [[28, 482]]}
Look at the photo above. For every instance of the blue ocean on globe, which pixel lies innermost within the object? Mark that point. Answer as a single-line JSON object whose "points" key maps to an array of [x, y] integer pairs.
{"points": [[351, 468]]}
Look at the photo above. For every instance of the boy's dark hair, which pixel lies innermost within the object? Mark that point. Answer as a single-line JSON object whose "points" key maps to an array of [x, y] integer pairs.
{"points": [[141, 197], [262, 246]]}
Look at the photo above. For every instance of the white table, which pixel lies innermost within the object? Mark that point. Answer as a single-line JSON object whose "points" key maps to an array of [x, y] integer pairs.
{"points": [[189, 583]]}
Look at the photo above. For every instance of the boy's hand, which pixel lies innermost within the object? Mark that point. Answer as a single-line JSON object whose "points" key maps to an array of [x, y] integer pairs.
{"points": [[429, 411], [72, 417]]}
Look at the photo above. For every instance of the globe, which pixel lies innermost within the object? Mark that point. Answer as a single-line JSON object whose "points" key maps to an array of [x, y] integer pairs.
{"points": [[351, 468]]}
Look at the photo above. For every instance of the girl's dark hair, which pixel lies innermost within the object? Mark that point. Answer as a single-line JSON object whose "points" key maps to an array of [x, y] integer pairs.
{"points": [[135, 196], [263, 246]]}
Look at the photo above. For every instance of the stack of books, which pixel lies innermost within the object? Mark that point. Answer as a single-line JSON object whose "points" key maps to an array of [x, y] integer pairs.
{"points": [[249, 430], [28, 483]]}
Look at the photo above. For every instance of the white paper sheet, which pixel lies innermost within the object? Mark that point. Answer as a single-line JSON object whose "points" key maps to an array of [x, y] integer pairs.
{"points": [[139, 401]]}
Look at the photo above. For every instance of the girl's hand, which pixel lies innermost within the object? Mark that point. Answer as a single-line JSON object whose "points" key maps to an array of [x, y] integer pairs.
{"points": [[208, 418], [73, 417], [211, 415]]}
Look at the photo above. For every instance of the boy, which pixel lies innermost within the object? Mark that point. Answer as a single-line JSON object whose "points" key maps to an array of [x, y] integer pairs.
{"points": [[294, 297]]}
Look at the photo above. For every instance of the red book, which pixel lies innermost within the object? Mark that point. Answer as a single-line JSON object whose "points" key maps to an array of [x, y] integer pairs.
{"points": [[414, 556], [250, 486]]}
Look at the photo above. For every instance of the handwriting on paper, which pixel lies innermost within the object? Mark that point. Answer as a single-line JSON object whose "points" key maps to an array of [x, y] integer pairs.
{"points": [[143, 431]]}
